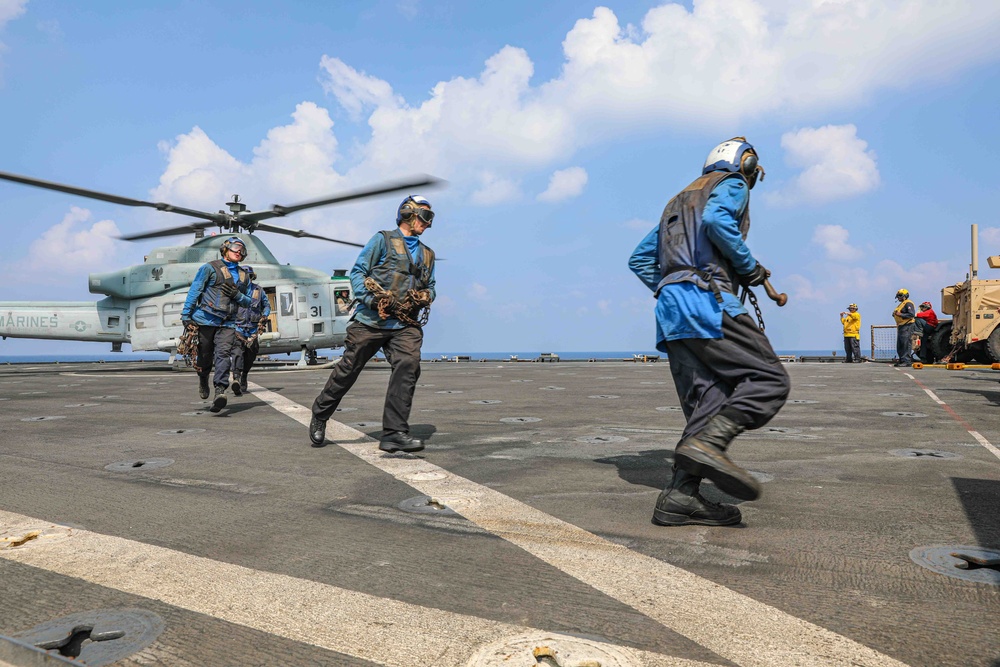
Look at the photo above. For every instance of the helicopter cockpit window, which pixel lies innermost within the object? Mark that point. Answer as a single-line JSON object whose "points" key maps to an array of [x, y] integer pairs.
{"points": [[145, 317], [172, 314], [342, 301]]}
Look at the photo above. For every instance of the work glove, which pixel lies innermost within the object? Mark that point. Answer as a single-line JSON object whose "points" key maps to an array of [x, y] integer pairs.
{"points": [[229, 290], [420, 298], [757, 276], [188, 323]]}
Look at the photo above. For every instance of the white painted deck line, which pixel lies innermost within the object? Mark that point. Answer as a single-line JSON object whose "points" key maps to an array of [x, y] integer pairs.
{"points": [[734, 626], [974, 433], [383, 631]]}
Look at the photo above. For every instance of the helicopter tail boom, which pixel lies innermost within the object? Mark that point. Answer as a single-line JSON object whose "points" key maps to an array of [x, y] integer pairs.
{"points": [[102, 321]]}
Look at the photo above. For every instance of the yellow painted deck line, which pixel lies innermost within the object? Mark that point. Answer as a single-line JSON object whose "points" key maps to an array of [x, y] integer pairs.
{"points": [[734, 626], [383, 631]]}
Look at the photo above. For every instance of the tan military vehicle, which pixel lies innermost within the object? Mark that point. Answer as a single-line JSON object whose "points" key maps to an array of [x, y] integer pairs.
{"points": [[973, 334]]}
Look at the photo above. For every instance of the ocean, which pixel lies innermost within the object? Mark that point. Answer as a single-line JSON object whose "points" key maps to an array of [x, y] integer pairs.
{"points": [[110, 357]]}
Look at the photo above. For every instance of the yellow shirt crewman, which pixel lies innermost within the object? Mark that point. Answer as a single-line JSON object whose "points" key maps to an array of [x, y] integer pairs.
{"points": [[852, 333]]}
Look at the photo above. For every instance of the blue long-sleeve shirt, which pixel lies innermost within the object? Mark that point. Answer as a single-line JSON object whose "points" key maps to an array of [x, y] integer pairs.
{"points": [[371, 256], [684, 310], [204, 278]]}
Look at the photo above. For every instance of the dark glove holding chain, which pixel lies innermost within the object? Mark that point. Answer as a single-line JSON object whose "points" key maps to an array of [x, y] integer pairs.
{"points": [[229, 290], [757, 276], [188, 324]]}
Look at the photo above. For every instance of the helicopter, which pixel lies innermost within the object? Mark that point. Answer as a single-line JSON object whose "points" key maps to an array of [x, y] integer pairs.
{"points": [[142, 304]]}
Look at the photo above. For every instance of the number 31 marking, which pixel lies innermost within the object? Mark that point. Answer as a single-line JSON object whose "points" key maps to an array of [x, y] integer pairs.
{"points": [[316, 311]]}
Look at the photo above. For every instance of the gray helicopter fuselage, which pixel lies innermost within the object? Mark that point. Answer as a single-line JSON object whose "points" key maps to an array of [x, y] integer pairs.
{"points": [[143, 303]]}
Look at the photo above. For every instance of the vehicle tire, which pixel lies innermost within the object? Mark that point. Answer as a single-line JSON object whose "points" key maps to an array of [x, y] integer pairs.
{"points": [[941, 343], [980, 352], [941, 340], [993, 346]]}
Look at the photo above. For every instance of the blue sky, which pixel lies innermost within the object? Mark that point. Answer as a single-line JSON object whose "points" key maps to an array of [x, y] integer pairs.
{"points": [[563, 129]]}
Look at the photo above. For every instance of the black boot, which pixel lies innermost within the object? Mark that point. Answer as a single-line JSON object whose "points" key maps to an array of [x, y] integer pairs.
{"points": [[203, 387], [237, 389], [400, 442], [317, 431], [220, 399], [680, 504], [243, 381], [704, 454]]}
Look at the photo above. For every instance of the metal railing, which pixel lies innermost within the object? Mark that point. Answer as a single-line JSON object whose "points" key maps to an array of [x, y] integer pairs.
{"points": [[883, 342]]}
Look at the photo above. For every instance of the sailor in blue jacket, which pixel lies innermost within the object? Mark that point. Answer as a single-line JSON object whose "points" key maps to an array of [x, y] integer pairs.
{"points": [[218, 289], [393, 279], [727, 376]]}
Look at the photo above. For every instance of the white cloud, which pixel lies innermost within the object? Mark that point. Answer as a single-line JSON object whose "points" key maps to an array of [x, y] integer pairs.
{"points": [[833, 239], [990, 236], [356, 90], [835, 164], [9, 10], [294, 163], [800, 288], [408, 8], [71, 246], [477, 292], [51, 29], [719, 63], [565, 184], [713, 66], [875, 284], [495, 190]]}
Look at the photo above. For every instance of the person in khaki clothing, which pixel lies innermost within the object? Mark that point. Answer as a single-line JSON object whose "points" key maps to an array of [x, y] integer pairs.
{"points": [[852, 334]]}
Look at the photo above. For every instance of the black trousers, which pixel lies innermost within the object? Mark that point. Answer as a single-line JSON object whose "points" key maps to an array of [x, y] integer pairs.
{"points": [[215, 347], [852, 348], [402, 351], [244, 356], [738, 375]]}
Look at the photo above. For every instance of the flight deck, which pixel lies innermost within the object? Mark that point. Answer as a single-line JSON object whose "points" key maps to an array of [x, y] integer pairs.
{"points": [[157, 533]]}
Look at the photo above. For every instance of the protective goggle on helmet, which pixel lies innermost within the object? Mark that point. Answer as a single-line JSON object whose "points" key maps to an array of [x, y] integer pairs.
{"points": [[411, 207], [234, 243], [736, 156]]}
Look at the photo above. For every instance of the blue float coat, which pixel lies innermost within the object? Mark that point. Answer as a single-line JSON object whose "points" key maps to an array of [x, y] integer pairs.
{"points": [[247, 329], [204, 278], [683, 310], [371, 256]]}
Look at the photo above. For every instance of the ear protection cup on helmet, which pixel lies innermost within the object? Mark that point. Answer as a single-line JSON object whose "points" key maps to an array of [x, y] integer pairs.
{"points": [[409, 207], [234, 241], [748, 164]]}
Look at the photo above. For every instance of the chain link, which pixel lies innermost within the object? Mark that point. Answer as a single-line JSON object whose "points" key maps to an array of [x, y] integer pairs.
{"points": [[753, 302]]}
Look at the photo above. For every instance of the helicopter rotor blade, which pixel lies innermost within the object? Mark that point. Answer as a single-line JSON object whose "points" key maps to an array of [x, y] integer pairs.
{"points": [[302, 234], [170, 231], [114, 199], [277, 210]]}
